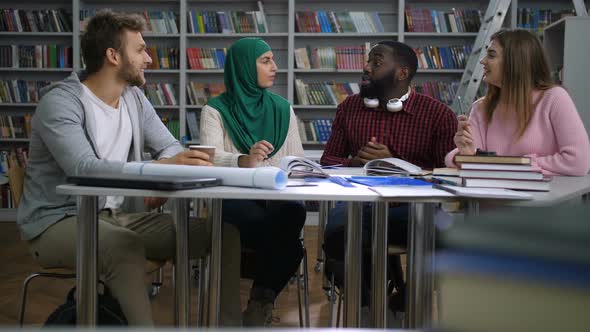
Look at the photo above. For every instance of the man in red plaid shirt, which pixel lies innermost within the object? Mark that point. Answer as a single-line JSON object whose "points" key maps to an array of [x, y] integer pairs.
{"points": [[421, 132]]}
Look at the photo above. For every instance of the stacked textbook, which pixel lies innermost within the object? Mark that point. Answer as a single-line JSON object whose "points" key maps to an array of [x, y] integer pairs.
{"points": [[508, 172], [526, 270]]}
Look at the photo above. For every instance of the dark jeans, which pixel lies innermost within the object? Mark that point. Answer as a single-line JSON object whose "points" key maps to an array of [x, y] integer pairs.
{"points": [[335, 239], [272, 229]]}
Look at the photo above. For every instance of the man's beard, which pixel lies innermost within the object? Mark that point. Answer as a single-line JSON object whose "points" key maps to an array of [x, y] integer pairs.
{"points": [[379, 88], [127, 74]]}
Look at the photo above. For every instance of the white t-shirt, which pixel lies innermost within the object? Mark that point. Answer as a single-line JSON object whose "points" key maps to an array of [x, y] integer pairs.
{"points": [[113, 134]]}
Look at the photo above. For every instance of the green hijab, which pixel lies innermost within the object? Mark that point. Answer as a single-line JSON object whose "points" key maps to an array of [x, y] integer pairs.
{"points": [[249, 112]]}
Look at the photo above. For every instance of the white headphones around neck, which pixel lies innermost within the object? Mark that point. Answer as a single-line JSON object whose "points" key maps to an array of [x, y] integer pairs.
{"points": [[393, 105]]}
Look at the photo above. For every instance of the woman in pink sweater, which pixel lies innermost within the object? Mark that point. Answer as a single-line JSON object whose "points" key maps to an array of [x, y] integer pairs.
{"points": [[524, 113]]}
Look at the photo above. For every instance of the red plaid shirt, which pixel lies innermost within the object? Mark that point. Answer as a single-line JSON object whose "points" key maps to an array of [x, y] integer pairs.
{"points": [[422, 133]]}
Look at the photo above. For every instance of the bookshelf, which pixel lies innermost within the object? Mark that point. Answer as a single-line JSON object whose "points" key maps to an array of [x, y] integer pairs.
{"points": [[282, 35], [567, 49]]}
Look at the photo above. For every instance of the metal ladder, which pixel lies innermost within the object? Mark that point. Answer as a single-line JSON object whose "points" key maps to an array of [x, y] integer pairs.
{"points": [[473, 74]]}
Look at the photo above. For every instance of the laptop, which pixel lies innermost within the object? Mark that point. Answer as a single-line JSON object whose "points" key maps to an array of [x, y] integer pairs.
{"points": [[151, 182]]}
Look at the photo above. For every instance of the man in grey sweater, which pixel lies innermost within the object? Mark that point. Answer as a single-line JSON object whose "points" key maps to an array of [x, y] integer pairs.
{"points": [[92, 124]]}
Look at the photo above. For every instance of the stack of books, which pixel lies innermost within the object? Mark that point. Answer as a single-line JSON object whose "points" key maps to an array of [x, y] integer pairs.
{"points": [[509, 172], [526, 270]]}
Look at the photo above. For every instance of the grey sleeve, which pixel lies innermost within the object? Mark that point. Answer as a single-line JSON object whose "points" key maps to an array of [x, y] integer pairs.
{"points": [[59, 121], [157, 138]]}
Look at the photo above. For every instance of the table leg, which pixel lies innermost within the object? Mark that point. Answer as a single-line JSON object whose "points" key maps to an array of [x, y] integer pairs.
{"points": [[472, 208], [324, 210], [352, 267], [379, 256], [86, 266], [419, 278], [182, 273], [215, 265]]}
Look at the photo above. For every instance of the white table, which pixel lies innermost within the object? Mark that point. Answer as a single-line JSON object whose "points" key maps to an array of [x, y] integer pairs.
{"points": [[88, 239]]}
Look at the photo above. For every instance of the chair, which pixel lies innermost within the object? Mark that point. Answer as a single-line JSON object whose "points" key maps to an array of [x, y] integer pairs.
{"points": [[247, 272], [396, 281], [16, 176]]}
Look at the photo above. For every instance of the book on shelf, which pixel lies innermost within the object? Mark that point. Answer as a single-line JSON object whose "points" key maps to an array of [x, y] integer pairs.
{"points": [[206, 58], [299, 167], [163, 57], [157, 21], [45, 20], [173, 126], [200, 93], [537, 19], [392, 166], [19, 91], [340, 57], [315, 131], [439, 57], [15, 126], [479, 159], [543, 184], [431, 20], [442, 91], [338, 22], [160, 94], [324, 93], [36, 56], [202, 22]]}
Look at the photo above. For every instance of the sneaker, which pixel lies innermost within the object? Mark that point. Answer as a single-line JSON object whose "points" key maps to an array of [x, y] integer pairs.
{"points": [[258, 314]]}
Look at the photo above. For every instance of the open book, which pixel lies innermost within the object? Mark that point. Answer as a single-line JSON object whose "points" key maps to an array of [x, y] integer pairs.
{"points": [[299, 167], [391, 166]]}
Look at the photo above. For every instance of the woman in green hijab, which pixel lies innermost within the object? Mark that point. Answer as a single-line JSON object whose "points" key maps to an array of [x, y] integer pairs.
{"points": [[251, 127]]}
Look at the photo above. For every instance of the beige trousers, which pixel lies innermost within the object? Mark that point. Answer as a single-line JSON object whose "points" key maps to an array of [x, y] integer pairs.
{"points": [[125, 240]]}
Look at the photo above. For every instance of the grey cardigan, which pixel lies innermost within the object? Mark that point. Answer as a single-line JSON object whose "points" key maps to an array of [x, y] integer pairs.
{"points": [[62, 145]]}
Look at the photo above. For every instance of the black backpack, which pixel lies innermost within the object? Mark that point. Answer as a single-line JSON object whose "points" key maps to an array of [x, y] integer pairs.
{"points": [[109, 310]]}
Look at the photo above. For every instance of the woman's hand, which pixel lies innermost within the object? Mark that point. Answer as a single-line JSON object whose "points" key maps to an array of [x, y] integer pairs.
{"points": [[258, 152], [463, 138]]}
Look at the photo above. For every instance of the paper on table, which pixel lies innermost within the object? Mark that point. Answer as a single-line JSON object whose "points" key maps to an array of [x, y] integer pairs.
{"points": [[261, 177], [484, 192], [410, 191]]}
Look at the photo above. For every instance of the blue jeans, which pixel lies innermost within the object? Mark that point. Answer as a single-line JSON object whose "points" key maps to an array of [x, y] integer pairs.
{"points": [[272, 229]]}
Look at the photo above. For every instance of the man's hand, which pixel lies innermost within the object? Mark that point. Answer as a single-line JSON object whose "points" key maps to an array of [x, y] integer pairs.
{"points": [[373, 150], [154, 202], [258, 152], [189, 157], [463, 138]]}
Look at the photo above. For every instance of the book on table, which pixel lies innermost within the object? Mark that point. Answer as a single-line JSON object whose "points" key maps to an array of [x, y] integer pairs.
{"points": [[392, 166], [300, 167], [515, 160], [534, 185]]}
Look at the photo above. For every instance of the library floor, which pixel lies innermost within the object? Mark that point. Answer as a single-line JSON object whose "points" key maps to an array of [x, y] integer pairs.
{"points": [[46, 294]]}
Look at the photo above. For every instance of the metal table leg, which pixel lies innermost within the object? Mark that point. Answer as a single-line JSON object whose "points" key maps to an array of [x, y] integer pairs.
{"points": [[215, 266], [379, 273], [419, 281], [182, 273], [353, 259], [324, 210], [86, 265]]}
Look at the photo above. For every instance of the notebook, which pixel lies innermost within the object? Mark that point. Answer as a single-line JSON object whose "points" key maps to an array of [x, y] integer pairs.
{"points": [[143, 182]]}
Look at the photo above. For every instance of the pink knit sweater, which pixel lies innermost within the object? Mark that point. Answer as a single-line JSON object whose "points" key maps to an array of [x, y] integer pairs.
{"points": [[555, 137]]}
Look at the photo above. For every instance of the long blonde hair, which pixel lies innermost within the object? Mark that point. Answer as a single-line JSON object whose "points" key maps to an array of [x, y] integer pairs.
{"points": [[525, 68]]}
